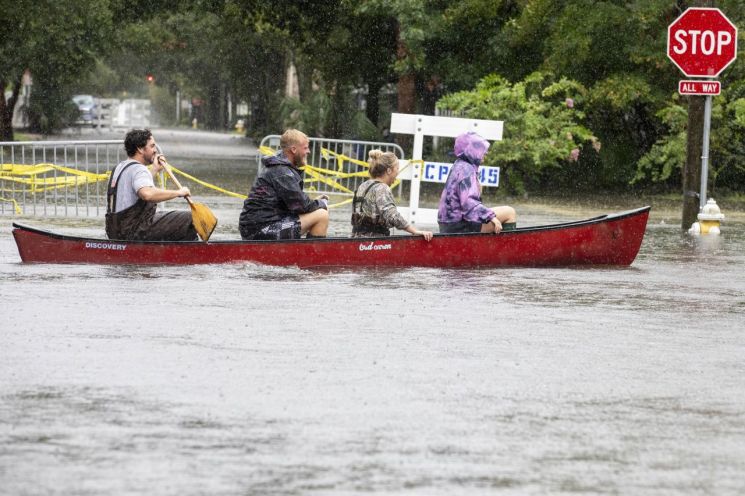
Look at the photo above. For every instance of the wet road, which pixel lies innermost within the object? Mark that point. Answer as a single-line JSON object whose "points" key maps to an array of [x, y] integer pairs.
{"points": [[244, 379]]}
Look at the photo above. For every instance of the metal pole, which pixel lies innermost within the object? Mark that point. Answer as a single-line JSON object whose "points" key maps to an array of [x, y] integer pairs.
{"points": [[178, 107], [705, 153]]}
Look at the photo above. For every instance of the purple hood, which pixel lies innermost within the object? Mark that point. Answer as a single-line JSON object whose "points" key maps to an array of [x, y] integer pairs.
{"points": [[471, 147]]}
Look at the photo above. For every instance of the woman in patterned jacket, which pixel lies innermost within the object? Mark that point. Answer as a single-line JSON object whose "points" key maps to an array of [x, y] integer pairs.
{"points": [[377, 211]]}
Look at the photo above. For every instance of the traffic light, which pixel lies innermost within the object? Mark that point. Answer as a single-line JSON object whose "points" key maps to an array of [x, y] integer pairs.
{"points": [[150, 78]]}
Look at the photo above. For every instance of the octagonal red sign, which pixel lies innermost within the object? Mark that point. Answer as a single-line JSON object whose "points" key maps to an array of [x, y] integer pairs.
{"points": [[702, 42]]}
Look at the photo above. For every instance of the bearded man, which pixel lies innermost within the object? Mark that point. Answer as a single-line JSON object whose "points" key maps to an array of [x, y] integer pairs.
{"points": [[277, 207], [132, 197]]}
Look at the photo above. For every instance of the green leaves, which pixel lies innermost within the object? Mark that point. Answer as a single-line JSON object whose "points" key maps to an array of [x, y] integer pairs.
{"points": [[58, 42], [543, 121]]}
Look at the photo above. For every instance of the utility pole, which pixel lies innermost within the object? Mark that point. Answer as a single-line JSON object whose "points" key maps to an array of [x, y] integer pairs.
{"points": [[694, 149], [692, 170]]}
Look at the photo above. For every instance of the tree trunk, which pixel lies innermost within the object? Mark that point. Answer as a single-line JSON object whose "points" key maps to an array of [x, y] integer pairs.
{"points": [[373, 102], [6, 110], [335, 122], [406, 89], [406, 94], [304, 78], [692, 171], [213, 104], [6, 119]]}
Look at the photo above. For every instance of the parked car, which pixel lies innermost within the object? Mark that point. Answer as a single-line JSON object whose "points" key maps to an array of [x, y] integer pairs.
{"points": [[87, 107]]}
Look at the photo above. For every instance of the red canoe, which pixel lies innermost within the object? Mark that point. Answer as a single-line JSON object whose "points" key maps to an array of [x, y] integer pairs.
{"points": [[606, 240]]}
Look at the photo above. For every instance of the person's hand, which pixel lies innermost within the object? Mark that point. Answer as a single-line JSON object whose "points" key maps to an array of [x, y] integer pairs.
{"points": [[427, 234], [184, 191], [325, 200], [158, 162], [497, 225], [323, 197]]}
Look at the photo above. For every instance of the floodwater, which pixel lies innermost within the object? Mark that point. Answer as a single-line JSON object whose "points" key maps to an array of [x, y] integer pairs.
{"points": [[246, 379]]}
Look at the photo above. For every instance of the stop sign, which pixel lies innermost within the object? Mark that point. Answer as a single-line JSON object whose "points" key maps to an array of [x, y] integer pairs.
{"points": [[702, 42]]}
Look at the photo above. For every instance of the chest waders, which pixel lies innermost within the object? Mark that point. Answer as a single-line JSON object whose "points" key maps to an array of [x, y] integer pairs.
{"points": [[133, 222], [363, 224]]}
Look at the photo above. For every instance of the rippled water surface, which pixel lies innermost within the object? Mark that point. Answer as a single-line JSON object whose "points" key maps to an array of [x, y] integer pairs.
{"points": [[245, 379]]}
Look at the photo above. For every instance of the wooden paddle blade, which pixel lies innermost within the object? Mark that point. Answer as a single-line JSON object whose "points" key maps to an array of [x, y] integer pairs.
{"points": [[203, 219]]}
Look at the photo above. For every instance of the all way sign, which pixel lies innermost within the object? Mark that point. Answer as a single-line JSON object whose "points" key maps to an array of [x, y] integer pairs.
{"points": [[699, 87]]}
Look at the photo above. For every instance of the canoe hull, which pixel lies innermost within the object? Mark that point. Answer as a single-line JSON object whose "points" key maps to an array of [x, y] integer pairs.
{"points": [[608, 240]]}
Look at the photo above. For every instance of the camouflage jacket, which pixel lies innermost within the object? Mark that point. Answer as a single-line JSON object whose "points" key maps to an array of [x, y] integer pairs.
{"points": [[376, 206]]}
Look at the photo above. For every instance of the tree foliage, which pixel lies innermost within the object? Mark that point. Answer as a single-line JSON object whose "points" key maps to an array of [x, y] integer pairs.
{"points": [[544, 122], [514, 60], [57, 42]]}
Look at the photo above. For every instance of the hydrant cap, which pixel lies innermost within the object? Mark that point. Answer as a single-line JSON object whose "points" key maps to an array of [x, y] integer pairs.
{"points": [[711, 207], [711, 211]]}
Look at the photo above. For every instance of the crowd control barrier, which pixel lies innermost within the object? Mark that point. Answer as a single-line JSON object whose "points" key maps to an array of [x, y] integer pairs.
{"points": [[336, 166], [56, 178]]}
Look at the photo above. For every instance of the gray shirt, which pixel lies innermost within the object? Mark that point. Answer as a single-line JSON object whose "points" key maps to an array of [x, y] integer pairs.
{"points": [[136, 177]]}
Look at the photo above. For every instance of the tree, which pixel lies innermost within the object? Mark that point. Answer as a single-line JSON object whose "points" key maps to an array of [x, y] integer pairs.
{"points": [[545, 123], [337, 49], [58, 42], [409, 19]]}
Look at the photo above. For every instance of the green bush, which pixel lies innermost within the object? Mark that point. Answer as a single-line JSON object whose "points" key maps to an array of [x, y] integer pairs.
{"points": [[543, 124]]}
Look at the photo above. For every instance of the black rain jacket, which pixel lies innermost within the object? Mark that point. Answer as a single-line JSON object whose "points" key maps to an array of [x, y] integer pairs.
{"points": [[276, 193]]}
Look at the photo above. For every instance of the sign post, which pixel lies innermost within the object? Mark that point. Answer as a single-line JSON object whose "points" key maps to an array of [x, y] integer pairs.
{"points": [[427, 125], [702, 42]]}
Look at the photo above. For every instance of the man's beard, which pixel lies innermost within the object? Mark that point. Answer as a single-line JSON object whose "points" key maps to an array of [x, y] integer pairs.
{"points": [[298, 161]]}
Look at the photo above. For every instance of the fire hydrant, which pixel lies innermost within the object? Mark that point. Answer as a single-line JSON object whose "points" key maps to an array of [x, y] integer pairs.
{"points": [[239, 126], [708, 219]]}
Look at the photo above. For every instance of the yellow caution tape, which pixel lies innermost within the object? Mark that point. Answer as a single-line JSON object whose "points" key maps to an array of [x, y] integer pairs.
{"points": [[208, 185], [23, 170], [15, 204], [267, 151], [28, 175], [341, 158], [315, 172], [348, 200]]}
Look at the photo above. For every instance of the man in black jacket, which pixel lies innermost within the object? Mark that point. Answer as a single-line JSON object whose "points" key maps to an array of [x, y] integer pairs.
{"points": [[277, 207]]}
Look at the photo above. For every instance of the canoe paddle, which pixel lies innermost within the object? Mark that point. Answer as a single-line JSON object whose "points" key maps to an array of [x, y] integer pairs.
{"points": [[201, 216]]}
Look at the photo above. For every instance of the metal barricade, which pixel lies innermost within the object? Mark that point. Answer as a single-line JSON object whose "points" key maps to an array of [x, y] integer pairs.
{"points": [[73, 198], [356, 150]]}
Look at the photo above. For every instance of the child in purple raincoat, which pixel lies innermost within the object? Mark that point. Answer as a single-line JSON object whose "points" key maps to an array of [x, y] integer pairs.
{"points": [[461, 210]]}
